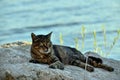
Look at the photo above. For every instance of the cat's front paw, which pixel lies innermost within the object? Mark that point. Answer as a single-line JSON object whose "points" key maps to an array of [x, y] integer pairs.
{"points": [[90, 68], [57, 65]]}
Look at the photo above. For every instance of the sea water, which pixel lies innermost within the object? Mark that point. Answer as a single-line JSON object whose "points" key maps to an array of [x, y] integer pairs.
{"points": [[19, 18]]}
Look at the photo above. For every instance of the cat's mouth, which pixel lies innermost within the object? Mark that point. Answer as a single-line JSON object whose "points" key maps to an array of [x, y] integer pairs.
{"points": [[45, 51]]}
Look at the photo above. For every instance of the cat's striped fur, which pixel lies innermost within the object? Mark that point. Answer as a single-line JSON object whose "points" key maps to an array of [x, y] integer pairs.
{"points": [[43, 51]]}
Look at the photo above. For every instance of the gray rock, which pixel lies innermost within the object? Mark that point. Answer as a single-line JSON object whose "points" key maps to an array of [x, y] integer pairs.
{"points": [[14, 65]]}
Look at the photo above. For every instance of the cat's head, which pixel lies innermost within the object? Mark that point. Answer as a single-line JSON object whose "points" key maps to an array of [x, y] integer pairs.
{"points": [[42, 43]]}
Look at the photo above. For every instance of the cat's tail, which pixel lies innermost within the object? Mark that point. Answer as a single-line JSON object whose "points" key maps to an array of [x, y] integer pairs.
{"points": [[106, 67]]}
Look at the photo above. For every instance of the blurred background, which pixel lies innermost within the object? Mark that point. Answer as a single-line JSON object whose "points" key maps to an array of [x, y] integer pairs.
{"points": [[68, 19]]}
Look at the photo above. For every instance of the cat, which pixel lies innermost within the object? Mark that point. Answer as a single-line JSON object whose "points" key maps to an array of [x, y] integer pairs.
{"points": [[44, 52]]}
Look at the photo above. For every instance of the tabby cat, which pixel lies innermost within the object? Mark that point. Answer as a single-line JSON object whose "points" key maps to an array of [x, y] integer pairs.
{"points": [[43, 51]]}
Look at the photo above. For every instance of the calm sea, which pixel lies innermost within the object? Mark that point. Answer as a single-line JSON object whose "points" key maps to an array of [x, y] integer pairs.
{"points": [[18, 18]]}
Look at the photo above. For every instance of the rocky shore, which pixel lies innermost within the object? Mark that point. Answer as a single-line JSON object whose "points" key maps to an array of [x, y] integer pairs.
{"points": [[14, 65]]}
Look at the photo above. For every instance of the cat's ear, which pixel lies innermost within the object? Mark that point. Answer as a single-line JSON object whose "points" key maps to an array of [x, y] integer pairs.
{"points": [[49, 35], [33, 36]]}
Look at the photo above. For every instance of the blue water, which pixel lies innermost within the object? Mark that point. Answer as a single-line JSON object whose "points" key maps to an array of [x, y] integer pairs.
{"points": [[18, 18]]}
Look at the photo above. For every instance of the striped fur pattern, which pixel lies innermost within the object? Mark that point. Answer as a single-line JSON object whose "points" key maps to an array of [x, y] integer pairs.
{"points": [[43, 51]]}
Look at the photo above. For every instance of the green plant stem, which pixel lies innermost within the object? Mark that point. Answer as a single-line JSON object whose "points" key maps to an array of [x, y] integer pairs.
{"points": [[76, 43], [95, 41], [83, 36], [104, 35], [61, 39]]}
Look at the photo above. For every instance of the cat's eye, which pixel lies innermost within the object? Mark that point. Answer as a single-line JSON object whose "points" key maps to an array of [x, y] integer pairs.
{"points": [[36, 47], [49, 44]]}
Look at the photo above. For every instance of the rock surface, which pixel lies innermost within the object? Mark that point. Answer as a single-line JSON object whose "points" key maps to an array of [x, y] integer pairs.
{"points": [[14, 65]]}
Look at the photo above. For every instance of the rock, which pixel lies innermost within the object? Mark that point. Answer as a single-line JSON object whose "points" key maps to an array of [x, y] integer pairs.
{"points": [[14, 65]]}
